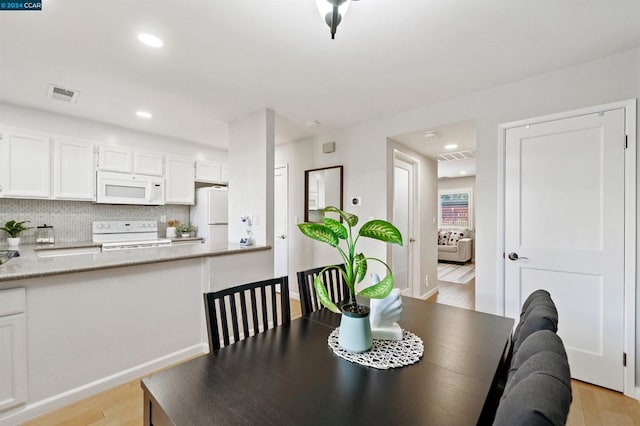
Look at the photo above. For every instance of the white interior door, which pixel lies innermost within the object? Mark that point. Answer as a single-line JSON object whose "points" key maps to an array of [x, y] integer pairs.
{"points": [[280, 241], [404, 204], [564, 219]]}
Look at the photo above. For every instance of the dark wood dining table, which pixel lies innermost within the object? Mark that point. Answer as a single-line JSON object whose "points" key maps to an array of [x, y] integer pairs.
{"points": [[289, 376]]}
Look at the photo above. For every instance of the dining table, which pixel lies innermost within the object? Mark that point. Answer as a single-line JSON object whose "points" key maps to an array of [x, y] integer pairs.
{"points": [[288, 375]]}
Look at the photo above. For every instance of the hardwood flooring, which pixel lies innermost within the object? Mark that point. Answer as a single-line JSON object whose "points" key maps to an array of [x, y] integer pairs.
{"points": [[122, 405]]}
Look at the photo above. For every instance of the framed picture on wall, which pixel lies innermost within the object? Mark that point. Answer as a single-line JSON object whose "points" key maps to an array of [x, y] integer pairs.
{"points": [[455, 208]]}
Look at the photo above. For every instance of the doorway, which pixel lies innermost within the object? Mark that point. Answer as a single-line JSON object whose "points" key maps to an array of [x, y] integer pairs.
{"points": [[405, 258], [569, 204], [280, 221]]}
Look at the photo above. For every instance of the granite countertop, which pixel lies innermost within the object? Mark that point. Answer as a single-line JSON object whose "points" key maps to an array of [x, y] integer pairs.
{"points": [[29, 265]]}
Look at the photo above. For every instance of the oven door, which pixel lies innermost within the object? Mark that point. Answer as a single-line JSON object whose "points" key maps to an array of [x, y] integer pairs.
{"points": [[124, 188]]}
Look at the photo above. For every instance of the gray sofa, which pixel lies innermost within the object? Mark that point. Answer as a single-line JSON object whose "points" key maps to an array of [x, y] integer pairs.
{"points": [[455, 245]]}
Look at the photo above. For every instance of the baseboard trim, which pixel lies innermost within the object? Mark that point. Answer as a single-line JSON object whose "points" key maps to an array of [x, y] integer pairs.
{"points": [[32, 410], [429, 293]]}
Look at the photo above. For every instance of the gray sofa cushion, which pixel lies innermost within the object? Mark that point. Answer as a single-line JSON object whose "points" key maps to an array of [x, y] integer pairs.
{"points": [[540, 317], [538, 393], [539, 341]]}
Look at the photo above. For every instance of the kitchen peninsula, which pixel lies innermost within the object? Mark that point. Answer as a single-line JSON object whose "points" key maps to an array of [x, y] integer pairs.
{"points": [[83, 323]]}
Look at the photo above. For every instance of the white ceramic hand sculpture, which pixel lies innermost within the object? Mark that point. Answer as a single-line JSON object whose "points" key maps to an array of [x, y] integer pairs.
{"points": [[385, 313]]}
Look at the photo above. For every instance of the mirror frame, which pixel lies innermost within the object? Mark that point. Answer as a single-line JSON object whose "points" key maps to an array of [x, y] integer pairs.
{"points": [[306, 188]]}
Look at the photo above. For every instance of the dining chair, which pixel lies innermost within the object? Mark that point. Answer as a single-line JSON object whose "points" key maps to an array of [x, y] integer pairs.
{"points": [[540, 341], [246, 310], [538, 393], [332, 278]]}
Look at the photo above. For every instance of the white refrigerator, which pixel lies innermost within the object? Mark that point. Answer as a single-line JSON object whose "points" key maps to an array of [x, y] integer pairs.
{"points": [[210, 214]]}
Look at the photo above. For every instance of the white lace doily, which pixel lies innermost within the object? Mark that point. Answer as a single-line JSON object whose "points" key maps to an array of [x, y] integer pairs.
{"points": [[384, 354]]}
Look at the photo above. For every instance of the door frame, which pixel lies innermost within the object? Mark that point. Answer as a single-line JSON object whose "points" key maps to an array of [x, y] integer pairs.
{"points": [[416, 285], [629, 332]]}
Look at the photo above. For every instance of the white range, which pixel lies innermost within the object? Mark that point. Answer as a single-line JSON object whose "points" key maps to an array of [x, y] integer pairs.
{"points": [[126, 235]]}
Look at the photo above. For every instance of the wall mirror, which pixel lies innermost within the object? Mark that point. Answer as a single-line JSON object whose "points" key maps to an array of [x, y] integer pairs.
{"points": [[322, 188]]}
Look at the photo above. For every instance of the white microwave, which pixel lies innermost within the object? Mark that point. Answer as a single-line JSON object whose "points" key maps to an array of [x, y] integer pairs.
{"points": [[128, 188]]}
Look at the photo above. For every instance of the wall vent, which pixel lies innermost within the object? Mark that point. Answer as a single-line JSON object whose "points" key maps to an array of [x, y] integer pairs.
{"points": [[453, 156], [63, 94]]}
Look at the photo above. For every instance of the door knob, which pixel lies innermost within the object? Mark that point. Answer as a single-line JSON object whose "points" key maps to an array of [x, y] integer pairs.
{"points": [[411, 240], [514, 256], [282, 236]]}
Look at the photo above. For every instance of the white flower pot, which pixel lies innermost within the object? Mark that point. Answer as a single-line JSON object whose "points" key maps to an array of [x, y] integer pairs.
{"points": [[171, 232], [186, 234], [13, 242], [355, 331]]}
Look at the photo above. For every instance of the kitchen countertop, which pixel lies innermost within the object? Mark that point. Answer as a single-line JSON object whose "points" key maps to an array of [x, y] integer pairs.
{"points": [[29, 265]]}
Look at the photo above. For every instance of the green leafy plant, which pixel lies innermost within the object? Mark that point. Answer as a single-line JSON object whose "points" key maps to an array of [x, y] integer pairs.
{"points": [[332, 232], [14, 228], [183, 228]]}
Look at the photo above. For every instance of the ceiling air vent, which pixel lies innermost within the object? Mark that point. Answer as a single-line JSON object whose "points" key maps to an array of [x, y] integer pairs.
{"points": [[63, 94]]}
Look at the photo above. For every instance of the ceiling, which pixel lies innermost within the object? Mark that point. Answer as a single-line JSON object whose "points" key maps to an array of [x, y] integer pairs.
{"points": [[223, 59], [438, 143]]}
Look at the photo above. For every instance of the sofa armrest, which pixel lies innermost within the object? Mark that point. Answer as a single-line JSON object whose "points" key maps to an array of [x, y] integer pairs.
{"points": [[464, 248]]}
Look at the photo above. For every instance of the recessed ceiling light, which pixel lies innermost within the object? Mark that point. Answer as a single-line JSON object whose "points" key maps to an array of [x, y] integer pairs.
{"points": [[144, 114], [313, 123], [451, 146], [431, 134], [463, 172], [150, 40]]}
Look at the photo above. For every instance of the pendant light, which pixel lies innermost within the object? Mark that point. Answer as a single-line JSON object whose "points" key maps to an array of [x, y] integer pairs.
{"points": [[332, 11]]}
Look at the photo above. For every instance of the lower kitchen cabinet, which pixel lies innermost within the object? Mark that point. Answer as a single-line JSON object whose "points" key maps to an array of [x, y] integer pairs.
{"points": [[13, 349]]}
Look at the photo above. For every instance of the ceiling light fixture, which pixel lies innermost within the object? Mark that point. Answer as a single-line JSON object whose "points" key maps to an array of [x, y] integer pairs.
{"points": [[451, 146], [150, 40], [312, 123], [463, 172], [333, 11], [431, 134], [144, 114]]}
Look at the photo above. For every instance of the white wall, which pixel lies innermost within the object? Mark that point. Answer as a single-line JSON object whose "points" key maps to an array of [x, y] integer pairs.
{"points": [[102, 133], [251, 152]]}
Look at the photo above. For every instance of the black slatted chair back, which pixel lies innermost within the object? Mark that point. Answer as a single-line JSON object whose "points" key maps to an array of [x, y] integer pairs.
{"points": [[236, 313], [338, 290]]}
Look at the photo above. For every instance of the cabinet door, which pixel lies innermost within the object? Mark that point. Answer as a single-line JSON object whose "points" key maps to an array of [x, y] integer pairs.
{"points": [[26, 164], [224, 174], [115, 159], [74, 170], [147, 163], [208, 171], [13, 361], [180, 181]]}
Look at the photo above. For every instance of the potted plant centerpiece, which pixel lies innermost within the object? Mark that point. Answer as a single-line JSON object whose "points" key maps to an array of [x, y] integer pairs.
{"points": [[14, 229], [355, 330]]}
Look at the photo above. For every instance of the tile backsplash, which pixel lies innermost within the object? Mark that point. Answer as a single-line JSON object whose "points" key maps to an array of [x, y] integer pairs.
{"points": [[71, 220]]}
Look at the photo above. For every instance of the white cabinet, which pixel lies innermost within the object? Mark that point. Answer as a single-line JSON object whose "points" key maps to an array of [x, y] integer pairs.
{"points": [[74, 170], [211, 172], [25, 160], [179, 181], [13, 349], [115, 159], [147, 163]]}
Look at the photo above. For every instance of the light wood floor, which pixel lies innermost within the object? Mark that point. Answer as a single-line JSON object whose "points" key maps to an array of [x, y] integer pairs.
{"points": [[122, 405]]}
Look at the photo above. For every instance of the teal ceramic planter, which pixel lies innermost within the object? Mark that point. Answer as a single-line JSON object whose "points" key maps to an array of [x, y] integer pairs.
{"points": [[355, 330]]}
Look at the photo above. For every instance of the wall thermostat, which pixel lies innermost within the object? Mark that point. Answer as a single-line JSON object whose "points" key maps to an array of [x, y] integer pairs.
{"points": [[356, 201]]}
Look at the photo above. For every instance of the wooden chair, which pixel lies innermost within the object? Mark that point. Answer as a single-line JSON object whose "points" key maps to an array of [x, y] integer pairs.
{"points": [[338, 290], [246, 310]]}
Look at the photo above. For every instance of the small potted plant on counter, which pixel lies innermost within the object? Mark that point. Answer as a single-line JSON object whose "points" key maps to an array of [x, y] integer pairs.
{"points": [[171, 228], [355, 331], [185, 230], [14, 229]]}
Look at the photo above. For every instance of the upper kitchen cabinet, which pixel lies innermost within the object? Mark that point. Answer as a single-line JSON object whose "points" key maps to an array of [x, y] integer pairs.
{"points": [[211, 172], [115, 159], [74, 169], [148, 163], [26, 164], [180, 181]]}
